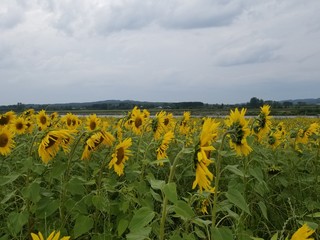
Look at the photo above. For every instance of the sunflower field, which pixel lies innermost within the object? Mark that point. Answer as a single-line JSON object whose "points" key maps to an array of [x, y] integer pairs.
{"points": [[159, 177]]}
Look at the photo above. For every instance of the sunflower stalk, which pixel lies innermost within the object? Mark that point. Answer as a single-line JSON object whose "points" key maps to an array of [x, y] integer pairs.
{"points": [[217, 178], [165, 199], [66, 178]]}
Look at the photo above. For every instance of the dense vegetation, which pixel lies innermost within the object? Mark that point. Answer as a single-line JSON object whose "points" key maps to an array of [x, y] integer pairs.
{"points": [[164, 177]]}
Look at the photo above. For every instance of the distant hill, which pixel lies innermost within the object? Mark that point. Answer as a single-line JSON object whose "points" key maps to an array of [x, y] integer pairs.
{"points": [[312, 101]]}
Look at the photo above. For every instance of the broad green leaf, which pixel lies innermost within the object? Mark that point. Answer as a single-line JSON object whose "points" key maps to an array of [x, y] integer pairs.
{"points": [[8, 179], [8, 196], [234, 169], [183, 210], [199, 233], [263, 209], [46, 207], [139, 234], [83, 225], [157, 184], [32, 192], [255, 238], [75, 186], [141, 218], [275, 236], [222, 233], [257, 173], [314, 215], [170, 191], [16, 221], [122, 226], [99, 202], [237, 199], [156, 196]]}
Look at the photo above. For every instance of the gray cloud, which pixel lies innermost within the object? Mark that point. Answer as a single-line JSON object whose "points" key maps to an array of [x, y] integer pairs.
{"points": [[257, 51], [206, 50], [10, 15]]}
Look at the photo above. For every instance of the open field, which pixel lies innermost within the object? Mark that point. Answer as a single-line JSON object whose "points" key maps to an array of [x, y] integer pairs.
{"points": [[159, 174]]}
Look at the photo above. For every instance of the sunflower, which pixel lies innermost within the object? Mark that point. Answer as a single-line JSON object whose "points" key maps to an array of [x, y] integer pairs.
{"points": [[162, 149], [71, 121], [19, 125], [239, 127], [303, 233], [51, 143], [262, 124], [158, 126], [184, 124], [43, 120], [94, 141], [120, 156], [137, 120], [7, 118], [28, 112], [6, 141], [274, 139], [52, 236], [304, 134], [169, 122], [93, 122], [202, 160], [203, 177]]}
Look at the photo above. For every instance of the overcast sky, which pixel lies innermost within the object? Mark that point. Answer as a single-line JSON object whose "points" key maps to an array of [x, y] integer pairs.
{"points": [[214, 51]]}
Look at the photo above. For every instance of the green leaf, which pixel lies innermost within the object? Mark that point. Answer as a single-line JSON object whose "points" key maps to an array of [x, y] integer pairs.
{"points": [[275, 236], [99, 202], [32, 192], [235, 197], [156, 196], [16, 221], [157, 184], [314, 215], [141, 218], [234, 169], [46, 207], [199, 233], [8, 196], [139, 234], [257, 173], [170, 191], [83, 225], [8, 179], [222, 233], [75, 186], [122, 226], [255, 238], [183, 210], [263, 209]]}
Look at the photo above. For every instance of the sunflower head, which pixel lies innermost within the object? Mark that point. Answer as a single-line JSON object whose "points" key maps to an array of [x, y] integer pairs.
{"points": [[43, 120], [93, 122], [7, 118], [19, 125], [6, 141], [238, 126]]}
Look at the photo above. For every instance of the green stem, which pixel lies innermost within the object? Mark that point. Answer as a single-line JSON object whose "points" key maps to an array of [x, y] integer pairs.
{"points": [[165, 199], [217, 179], [66, 178]]}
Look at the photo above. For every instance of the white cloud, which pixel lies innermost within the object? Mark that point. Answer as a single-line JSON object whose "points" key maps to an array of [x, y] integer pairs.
{"points": [[208, 50]]}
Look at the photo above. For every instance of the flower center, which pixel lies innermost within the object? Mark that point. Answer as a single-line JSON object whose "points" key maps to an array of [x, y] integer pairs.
{"points": [[52, 141], [3, 140], [43, 120], [19, 126], [93, 125], [120, 155], [138, 122], [4, 120]]}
